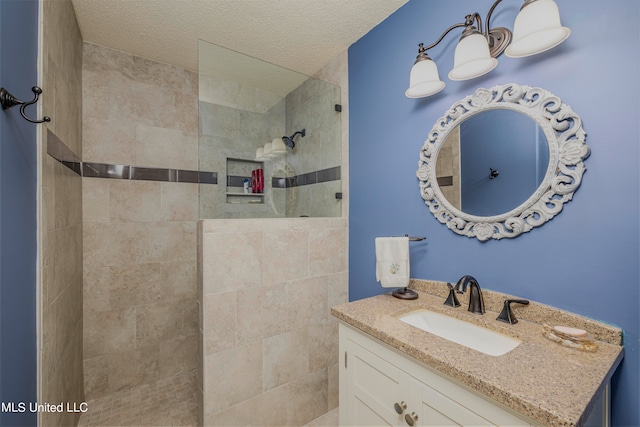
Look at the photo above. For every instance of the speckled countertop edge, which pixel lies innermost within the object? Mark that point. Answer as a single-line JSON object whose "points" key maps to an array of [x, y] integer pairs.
{"points": [[543, 380]]}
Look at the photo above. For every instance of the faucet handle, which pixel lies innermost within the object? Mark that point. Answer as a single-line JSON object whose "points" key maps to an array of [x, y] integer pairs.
{"points": [[452, 299], [506, 315]]}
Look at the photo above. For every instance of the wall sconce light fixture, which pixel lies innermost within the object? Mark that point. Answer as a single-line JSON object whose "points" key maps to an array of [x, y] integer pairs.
{"points": [[537, 28]]}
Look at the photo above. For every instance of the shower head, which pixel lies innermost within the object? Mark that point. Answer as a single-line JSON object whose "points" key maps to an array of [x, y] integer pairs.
{"points": [[288, 140]]}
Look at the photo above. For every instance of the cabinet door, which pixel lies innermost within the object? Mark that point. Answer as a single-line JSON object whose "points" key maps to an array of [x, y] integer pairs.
{"points": [[435, 409], [444, 403], [373, 387]]}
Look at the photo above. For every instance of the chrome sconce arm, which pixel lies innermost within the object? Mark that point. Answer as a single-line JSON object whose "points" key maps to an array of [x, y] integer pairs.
{"points": [[537, 28]]}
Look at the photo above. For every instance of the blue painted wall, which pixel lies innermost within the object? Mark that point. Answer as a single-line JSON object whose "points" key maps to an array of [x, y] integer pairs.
{"points": [[18, 172], [586, 259]]}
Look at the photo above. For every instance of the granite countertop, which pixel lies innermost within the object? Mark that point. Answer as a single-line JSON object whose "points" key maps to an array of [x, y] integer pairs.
{"points": [[541, 379]]}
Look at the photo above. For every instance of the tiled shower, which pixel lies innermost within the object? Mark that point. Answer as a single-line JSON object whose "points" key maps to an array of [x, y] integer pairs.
{"points": [[123, 313]]}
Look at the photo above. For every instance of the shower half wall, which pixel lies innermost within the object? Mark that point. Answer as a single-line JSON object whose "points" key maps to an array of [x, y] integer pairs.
{"points": [[268, 274]]}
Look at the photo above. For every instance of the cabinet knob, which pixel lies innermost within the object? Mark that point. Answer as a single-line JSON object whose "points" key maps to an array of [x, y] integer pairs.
{"points": [[411, 419], [400, 407]]}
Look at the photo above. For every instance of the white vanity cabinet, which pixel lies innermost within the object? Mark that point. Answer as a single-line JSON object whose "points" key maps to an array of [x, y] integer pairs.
{"points": [[379, 386]]}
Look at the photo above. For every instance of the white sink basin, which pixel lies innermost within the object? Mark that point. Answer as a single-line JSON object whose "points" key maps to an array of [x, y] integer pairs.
{"points": [[461, 332]]}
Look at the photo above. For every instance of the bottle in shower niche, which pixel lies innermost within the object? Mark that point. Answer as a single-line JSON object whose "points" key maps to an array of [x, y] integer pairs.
{"points": [[254, 181], [260, 174], [246, 185]]}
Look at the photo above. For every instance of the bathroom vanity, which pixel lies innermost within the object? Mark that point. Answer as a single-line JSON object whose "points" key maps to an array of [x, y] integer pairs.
{"points": [[393, 373]]}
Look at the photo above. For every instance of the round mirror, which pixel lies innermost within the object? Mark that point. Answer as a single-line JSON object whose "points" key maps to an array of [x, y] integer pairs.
{"points": [[502, 161]]}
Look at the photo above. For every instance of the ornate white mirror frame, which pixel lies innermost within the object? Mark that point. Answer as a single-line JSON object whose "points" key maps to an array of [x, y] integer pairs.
{"points": [[567, 150]]}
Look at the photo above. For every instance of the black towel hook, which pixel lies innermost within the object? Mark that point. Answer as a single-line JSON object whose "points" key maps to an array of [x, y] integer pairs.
{"points": [[8, 101]]}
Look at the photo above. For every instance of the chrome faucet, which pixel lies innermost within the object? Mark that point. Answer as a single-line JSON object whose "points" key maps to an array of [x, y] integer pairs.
{"points": [[476, 302]]}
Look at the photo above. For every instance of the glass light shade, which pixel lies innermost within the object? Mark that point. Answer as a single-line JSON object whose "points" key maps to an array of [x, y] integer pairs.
{"points": [[278, 148], [472, 58], [537, 28], [260, 154], [424, 80]]}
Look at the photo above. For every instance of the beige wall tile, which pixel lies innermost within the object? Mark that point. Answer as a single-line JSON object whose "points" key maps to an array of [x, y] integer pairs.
{"points": [[179, 201], [178, 355], [47, 198], [138, 284], [164, 241], [285, 255], [232, 376], [182, 108], [60, 230], [327, 251], [219, 322], [262, 312], [95, 95], [97, 58], [157, 322], [66, 262], [338, 290], [334, 385], [68, 111], [232, 261], [307, 301], [64, 320], [308, 398], [133, 100], [282, 361], [108, 244], [67, 197], [166, 148], [108, 141], [95, 200], [96, 293], [131, 200], [134, 285], [179, 280], [323, 345], [108, 332], [232, 94], [190, 324]]}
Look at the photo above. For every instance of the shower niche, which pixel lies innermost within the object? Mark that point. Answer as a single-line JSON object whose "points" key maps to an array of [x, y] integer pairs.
{"points": [[244, 181], [256, 116]]}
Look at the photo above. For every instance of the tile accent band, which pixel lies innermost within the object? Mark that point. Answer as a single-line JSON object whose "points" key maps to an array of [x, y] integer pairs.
{"points": [[59, 151], [323, 175], [445, 181]]}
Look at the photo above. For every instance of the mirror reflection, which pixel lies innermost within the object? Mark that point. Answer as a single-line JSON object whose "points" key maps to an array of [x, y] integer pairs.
{"points": [[492, 162]]}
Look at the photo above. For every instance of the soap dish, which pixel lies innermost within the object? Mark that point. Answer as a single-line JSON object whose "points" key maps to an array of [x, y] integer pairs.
{"points": [[570, 337]]}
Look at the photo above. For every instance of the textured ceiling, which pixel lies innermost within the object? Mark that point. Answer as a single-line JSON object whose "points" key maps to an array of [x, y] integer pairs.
{"points": [[301, 35]]}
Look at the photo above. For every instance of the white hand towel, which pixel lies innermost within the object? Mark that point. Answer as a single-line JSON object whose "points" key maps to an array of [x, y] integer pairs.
{"points": [[392, 261]]}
